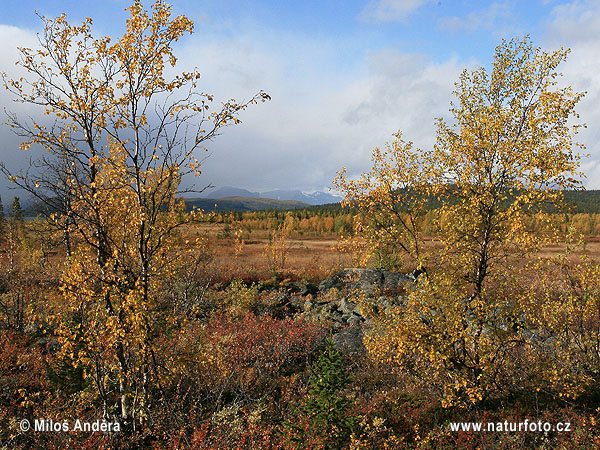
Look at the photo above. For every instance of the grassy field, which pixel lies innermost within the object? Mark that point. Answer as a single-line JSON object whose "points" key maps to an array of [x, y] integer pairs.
{"points": [[311, 257], [236, 365]]}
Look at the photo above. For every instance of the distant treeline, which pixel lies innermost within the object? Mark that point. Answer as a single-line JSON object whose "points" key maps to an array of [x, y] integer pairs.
{"points": [[339, 221], [242, 204], [311, 220], [576, 201], [583, 201], [582, 211]]}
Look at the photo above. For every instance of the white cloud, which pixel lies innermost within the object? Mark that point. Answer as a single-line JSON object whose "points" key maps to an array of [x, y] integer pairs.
{"points": [[327, 113], [390, 10], [405, 92], [320, 117], [499, 18], [575, 25], [575, 22]]}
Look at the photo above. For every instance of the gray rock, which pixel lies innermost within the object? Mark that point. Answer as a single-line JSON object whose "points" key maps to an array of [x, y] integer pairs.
{"points": [[330, 283], [366, 280], [394, 280], [349, 340], [385, 302], [308, 304], [297, 303], [282, 306], [332, 306], [336, 316], [302, 289], [353, 319], [347, 307]]}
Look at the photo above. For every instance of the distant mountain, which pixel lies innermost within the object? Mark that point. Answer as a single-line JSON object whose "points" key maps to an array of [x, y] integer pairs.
{"points": [[314, 198], [242, 204], [228, 191], [581, 201]]}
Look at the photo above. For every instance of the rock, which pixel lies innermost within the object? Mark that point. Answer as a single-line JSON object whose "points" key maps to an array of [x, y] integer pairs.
{"points": [[384, 301], [348, 307], [332, 282], [353, 319], [394, 281], [297, 303], [327, 313], [366, 280], [349, 340], [302, 289], [308, 304], [332, 306], [281, 307], [343, 316], [336, 316]]}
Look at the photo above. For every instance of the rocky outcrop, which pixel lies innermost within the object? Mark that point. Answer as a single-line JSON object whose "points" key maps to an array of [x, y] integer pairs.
{"points": [[301, 289], [349, 340], [366, 280], [340, 312]]}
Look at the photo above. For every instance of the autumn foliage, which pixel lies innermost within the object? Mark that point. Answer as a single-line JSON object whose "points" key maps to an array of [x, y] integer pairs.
{"points": [[507, 155], [115, 305]]}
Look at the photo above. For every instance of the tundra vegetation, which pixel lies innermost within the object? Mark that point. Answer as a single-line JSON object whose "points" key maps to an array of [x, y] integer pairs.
{"points": [[240, 330]]}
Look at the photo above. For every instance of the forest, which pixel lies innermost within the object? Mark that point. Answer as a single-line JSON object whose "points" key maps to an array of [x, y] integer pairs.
{"points": [[453, 286]]}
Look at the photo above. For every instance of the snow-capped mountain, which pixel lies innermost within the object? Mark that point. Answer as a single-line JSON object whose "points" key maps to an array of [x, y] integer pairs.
{"points": [[312, 198]]}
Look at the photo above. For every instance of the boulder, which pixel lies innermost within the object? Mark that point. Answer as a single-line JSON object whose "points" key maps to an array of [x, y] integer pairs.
{"points": [[308, 304], [348, 307], [281, 307], [394, 281], [301, 289], [349, 340], [353, 319], [365, 280]]}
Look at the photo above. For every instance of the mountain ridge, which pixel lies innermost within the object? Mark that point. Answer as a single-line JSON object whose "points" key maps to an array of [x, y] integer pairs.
{"points": [[238, 203], [311, 198]]}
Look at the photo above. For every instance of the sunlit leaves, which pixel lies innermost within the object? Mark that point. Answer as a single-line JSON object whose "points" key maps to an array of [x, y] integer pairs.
{"points": [[390, 199], [121, 135], [498, 166]]}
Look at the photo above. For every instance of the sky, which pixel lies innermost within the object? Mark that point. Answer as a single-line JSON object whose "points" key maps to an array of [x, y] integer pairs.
{"points": [[344, 76]]}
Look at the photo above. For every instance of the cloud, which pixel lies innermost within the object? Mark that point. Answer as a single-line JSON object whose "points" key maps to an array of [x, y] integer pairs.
{"points": [[390, 10], [575, 25], [11, 37], [576, 22], [320, 118], [404, 91], [499, 18], [334, 100]]}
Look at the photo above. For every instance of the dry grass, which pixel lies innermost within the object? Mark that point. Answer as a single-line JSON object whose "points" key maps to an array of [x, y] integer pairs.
{"points": [[310, 258]]}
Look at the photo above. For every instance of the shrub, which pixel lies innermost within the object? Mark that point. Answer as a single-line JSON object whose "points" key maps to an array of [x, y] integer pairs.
{"points": [[324, 412]]}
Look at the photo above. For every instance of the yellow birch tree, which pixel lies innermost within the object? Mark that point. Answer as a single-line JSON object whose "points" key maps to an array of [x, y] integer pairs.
{"points": [[121, 136], [506, 157], [390, 201]]}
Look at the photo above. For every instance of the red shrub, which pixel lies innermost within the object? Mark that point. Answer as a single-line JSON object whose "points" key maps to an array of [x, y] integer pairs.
{"points": [[248, 356]]}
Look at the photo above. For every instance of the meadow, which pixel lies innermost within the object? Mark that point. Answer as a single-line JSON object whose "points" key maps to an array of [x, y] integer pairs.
{"points": [[452, 289], [241, 373]]}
